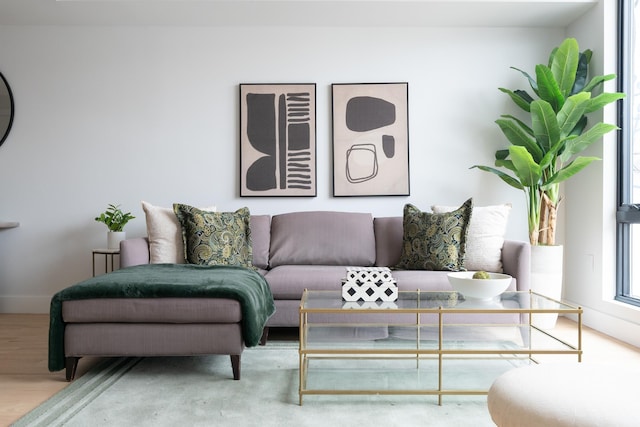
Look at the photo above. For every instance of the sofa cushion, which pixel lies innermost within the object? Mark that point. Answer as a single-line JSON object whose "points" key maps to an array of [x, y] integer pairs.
{"points": [[290, 281], [487, 228], [388, 231], [165, 234], [322, 238], [152, 310], [424, 280], [434, 241], [215, 238], [260, 240]]}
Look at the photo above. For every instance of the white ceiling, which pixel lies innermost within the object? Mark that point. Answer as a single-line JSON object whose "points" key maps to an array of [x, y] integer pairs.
{"points": [[501, 13]]}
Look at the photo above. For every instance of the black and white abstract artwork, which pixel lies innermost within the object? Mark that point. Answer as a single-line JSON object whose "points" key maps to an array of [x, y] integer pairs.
{"points": [[370, 139], [278, 139]]}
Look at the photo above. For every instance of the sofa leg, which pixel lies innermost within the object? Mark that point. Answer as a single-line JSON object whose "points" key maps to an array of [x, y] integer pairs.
{"points": [[265, 336], [235, 366], [71, 365]]}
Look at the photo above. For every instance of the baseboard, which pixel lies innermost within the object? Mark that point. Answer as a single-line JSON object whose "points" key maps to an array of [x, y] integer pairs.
{"points": [[25, 304], [612, 326]]}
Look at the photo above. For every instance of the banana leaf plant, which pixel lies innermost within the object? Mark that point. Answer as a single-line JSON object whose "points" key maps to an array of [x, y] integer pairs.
{"points": [[546, 151]]}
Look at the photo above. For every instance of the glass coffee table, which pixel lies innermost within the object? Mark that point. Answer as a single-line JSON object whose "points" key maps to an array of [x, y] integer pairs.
{"points": [[424, 343]]}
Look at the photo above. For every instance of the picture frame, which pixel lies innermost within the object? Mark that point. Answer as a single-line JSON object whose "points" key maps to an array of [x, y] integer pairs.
{"points": [[278, 140], [370, 139]]}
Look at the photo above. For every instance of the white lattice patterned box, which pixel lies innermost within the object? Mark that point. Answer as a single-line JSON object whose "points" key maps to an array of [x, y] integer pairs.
{"points": [[369, 284]]}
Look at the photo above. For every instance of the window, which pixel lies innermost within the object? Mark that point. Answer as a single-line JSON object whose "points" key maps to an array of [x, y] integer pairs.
{"points": [[628, 215]]}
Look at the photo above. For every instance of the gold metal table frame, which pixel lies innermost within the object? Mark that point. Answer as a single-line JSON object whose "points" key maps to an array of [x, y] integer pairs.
{"points": [[525, 306]]}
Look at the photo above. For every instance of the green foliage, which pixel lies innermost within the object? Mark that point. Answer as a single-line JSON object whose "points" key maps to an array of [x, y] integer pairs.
{"points": [[547, 151], [114, 218]]}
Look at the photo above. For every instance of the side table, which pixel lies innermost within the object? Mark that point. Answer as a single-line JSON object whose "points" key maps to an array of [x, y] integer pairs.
{"points": [[108, 256]]}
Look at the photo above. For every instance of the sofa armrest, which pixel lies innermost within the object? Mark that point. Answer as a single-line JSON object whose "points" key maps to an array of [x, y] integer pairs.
{"points": [[134, 252], [516, 262]]}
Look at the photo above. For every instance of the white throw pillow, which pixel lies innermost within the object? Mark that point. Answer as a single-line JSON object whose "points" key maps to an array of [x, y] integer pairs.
{"points": [[165, 234], [487, 228]]}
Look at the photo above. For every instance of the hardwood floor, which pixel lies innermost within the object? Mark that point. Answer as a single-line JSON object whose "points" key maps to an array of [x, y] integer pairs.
{"points": [[25, 380]]}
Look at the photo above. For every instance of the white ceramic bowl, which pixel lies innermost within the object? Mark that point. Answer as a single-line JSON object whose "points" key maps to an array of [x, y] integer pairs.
{"points": [[486, 289]]}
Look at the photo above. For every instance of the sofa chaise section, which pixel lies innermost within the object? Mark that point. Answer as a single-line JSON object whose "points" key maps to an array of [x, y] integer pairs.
{"points": [[159, 310], [145, 327]]}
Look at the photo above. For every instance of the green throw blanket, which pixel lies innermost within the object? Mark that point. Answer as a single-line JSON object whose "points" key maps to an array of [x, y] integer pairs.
{"points": [[167, 281]]}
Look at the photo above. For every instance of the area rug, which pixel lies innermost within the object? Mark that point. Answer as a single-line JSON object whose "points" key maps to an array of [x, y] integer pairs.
{"points": [[200, 391]]}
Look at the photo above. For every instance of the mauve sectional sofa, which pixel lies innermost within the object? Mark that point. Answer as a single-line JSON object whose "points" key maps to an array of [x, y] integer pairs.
{"points": [[293, 251]]}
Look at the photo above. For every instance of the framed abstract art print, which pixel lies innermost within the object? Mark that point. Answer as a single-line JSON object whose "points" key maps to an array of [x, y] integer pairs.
{"points": [[278, 139], [370, 139]]}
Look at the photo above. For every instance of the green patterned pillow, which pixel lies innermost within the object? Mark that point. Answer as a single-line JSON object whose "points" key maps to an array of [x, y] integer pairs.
{"points": [[215, 238], [434, 241]]}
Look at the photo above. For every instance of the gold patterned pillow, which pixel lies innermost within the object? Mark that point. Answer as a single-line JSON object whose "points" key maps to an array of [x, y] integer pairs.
{"points": [[433, 241], [215, 238]]}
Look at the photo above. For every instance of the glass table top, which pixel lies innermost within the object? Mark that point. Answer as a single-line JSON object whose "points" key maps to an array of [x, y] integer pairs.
{"points": [[433, 301]]}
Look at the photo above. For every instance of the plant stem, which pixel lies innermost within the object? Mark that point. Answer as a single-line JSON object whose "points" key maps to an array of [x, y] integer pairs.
{"points": [[533, 207]]}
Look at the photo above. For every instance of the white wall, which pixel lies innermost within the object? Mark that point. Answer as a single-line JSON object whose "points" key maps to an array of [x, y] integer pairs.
{"points": [[123, 114]]}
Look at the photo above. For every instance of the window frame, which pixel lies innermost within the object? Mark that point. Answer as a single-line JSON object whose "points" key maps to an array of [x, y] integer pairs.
{"points": [[627, 213]]}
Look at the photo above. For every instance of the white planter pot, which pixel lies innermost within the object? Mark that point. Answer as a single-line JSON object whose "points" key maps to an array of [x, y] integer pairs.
{"points": [[546, 279], [114, 238]]}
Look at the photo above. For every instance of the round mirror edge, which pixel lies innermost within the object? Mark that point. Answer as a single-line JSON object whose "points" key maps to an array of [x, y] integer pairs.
{"points": [[11, 109]]}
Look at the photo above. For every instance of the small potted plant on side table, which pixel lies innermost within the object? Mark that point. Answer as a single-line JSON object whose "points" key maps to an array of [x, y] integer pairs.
{"points": [[115, 220]]}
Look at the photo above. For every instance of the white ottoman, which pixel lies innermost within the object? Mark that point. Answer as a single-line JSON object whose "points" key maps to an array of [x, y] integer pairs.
{"points": [[563, 395]]}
